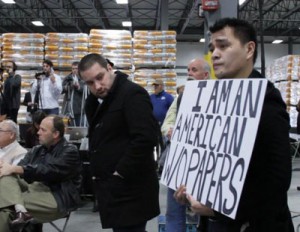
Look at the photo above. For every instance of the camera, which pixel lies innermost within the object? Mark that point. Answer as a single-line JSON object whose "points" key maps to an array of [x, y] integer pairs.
{"points": [[37, 75]]}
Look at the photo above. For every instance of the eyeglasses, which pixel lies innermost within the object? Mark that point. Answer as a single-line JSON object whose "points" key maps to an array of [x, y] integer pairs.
{"points": [[1, 130]]}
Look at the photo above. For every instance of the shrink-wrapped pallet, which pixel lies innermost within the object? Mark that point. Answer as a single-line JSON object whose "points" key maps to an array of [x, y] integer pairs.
{"points": [[146, 78], [154, 49], [285, 73], [26, 49], [116, 45], [65, 48]]}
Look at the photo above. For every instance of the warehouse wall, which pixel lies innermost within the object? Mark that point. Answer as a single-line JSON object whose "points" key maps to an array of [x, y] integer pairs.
{"points": [[189, 50]]}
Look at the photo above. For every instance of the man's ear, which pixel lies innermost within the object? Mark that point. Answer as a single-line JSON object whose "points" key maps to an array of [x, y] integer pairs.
{"points": [[250, 46]]}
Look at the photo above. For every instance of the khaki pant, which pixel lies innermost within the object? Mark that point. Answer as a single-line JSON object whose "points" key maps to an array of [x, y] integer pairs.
{"points": [[36, 197]]}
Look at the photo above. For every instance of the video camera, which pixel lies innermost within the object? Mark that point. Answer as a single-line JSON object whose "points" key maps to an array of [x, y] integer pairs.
{"points": [[37, 75]]}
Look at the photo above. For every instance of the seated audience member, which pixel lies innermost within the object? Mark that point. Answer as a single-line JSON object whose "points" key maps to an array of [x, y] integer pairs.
{"points": [[32, 138], [10, 150], [44, 185]]}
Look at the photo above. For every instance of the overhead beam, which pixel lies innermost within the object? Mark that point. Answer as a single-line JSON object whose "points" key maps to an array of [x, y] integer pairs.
{"points": [[157, 16], [31, 13], [98, 9], [16, 22], [296, 9], [187, 14]]}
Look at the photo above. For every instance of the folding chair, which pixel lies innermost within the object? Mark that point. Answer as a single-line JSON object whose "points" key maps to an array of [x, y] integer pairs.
{"points": [[67, 217], [294, 149]]}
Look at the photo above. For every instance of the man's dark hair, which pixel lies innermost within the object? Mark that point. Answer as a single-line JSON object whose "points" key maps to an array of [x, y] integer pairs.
{"points": [[242, 30], [58, 125], [89, 60], [13, 63], [75, 63], [49, 62]]}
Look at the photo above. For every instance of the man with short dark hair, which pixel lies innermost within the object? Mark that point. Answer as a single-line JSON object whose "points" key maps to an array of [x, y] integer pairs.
{"points": [[11, 91], [73, 88], [45, 184], [263, 204], [122, 136], [47, 88]]}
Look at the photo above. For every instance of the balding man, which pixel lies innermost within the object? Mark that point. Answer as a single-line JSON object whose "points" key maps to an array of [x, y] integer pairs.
{"points": [[198, 69], [10, 150]]}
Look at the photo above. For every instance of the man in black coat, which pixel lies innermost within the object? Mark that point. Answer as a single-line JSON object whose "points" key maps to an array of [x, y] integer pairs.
{"points": [[263, 204], [122, 136], [11, 91]]}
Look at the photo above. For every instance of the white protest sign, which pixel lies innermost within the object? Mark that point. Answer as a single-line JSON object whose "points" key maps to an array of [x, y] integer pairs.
{"points": [[213, 139]]}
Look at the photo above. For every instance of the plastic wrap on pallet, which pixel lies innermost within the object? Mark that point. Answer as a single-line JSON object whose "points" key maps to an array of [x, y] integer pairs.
{"points": [[146, 77], [285, 73], [115, 45], [65, 48], [25, 49], [154, 49]]}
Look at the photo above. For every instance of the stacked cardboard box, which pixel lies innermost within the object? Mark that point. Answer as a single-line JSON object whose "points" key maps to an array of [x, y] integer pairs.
{"points": [[285, 73]]}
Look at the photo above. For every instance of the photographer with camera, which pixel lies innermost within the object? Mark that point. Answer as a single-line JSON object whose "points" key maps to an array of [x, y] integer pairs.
{"points": [[10, 91], [47, 88], [73, 88]]}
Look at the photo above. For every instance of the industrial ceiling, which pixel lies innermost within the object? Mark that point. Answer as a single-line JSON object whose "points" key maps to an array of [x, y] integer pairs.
{"points": [[280, 18]]}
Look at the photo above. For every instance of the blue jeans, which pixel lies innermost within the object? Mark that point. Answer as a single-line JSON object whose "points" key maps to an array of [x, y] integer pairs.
{"points": [[175, 215], [51, 111]]}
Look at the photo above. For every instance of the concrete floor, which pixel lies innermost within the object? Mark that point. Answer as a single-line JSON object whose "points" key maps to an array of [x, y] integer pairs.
{"points": [[85, 220]]}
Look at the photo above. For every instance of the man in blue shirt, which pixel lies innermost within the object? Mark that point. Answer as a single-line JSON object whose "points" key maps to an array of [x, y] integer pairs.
{"points": [[161, 101]]}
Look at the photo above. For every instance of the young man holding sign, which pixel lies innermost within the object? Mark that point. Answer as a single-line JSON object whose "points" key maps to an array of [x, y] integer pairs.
{"points": [[263, 202]]}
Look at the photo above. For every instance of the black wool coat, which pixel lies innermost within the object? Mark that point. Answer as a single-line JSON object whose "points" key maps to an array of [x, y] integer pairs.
{"points": [[122, 136]]}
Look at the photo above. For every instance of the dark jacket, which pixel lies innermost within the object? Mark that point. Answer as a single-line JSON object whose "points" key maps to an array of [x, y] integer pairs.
{"points": [[59, 168], [11, 93], [122, 137], [263, 202], [77, 93]]}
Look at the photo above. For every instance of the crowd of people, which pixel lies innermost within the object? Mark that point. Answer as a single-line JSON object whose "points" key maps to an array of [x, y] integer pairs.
{"points": [[125, 126]]}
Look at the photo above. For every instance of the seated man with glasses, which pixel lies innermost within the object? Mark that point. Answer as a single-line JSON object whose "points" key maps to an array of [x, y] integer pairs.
{"points": [[44, 185], [10, 150]]}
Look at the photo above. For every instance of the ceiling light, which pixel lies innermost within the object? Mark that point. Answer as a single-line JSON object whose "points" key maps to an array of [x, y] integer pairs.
{"points": [[241, 2], [8, 1], [202, 40], [37, 23], [277, 41], [122, 1], [126, 24]]}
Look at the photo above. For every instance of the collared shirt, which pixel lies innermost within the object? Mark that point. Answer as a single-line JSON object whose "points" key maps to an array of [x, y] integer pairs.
{"points": [[161, 103], [49, 92], [6, 150]]}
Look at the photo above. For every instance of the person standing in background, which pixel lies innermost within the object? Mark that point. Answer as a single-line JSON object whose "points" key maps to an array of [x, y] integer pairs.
{"points": [[161, 101], [47, 88], [73, 88], [11, 91], [122, 136], [198, 69]]}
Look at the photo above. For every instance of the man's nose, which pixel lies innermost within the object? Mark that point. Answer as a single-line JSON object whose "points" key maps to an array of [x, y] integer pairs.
{"points": [[98, 85]]}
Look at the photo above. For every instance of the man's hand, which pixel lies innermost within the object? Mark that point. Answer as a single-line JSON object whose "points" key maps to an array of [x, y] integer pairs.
{"points": [[6, 169], [180, 195], [52, 78], [169, 133], [183, 198]]}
